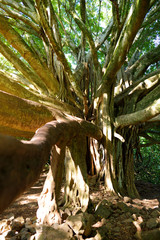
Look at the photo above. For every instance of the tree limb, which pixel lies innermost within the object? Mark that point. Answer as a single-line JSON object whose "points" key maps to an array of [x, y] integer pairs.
{"points": [[18, 43], [20, 66], [21, 162], [19, 110], [139, 116], [28, 11], [149, 98], [88, 34], [105, 34], [151, 77], [133, 22], [15, 15], [60, 55], [140, 66], [22, 114]]}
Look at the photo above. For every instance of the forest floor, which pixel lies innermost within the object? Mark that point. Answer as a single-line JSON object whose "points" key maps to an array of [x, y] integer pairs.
{"points": [[26, 206]]}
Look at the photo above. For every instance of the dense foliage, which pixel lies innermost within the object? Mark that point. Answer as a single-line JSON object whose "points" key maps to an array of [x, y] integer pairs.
{"points": [[147, 157]]}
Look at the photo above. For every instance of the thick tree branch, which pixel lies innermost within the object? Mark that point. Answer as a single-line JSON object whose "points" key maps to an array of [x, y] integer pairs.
{"points": [[19, 159], [20, 66], [60, 55], [133, 22], [27, 11], [16, 15], [139, 116], [11, 85], [16, 113], [149, 98], [18, 43], [22, 114], [148, 80], [140, 66]]}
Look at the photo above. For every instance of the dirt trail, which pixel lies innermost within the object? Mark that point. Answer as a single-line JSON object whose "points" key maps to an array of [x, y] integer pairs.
{"points": [[26, 206]]}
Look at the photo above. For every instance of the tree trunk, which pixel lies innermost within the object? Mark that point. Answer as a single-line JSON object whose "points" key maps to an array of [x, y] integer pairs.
{"points": [[119, 174], [96, 157], [76, 181], [21, 162], [108, 129], [119, 166], [47, 212], [76, 189], [125, 163]]}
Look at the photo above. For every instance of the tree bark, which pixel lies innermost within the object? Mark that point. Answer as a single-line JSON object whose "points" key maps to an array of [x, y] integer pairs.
{"points": [[77, 189], [47, 212], [123, 152], [21, 162]]}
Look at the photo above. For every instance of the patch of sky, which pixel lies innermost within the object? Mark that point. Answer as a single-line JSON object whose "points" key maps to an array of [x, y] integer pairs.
{"points": [[106, 10], [156, 41], [71, 61]]}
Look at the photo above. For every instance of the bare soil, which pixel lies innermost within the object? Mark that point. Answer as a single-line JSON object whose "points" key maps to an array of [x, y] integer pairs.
{"points": [[26, 205]]}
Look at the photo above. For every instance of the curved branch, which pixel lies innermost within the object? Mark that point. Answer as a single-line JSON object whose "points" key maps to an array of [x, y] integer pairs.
{"points": [[102, 37], [20, 66], [23, 9], [140, 66], [133, 22], [151, 78], [24, 19], [149, 98], [88, 34], [22, 114], [139, 116], [21, 46], [60, 55], [21, 162]]}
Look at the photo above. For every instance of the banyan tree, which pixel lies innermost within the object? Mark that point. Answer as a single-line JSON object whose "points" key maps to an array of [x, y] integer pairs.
{"points": [[86, 75]]}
